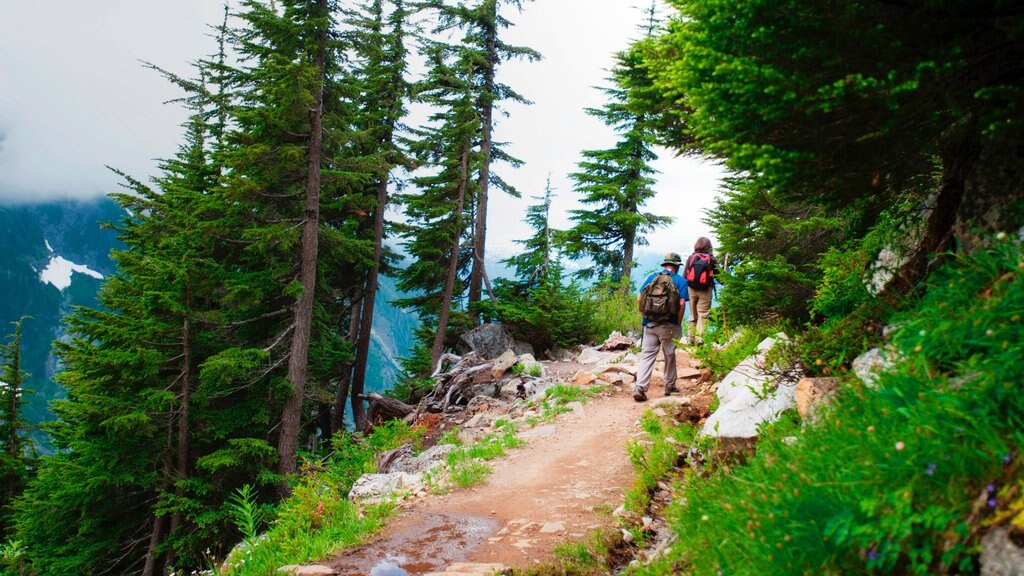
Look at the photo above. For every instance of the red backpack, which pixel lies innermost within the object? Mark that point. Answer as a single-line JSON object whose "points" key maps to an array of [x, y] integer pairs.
{"points": [[699, 273]]}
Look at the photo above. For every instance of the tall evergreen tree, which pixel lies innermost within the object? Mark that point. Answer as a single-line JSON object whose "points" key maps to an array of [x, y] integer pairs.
{"points": [[615, 182], [17, 455], [433, 235], [537, 254], [299, 184], [378, 41], [483, 23]]}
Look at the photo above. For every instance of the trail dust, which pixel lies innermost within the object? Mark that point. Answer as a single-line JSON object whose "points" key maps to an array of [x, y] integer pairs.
{"points": [[564, 483]]}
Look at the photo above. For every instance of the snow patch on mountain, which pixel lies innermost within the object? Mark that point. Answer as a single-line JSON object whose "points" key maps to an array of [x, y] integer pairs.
{"points": [[59, 269]]}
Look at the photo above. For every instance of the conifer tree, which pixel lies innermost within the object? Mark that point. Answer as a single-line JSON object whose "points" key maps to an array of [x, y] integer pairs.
{"points": [[378, 40], [299, 186], [615, 182], [17, 455], [483, 22], [433, 235], [535, 260]]}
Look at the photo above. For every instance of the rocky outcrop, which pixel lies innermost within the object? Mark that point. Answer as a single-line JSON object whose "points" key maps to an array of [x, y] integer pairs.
{"points": [[868, 365], [749, 396], [616, 341], [488, 341], [1000, 555]]}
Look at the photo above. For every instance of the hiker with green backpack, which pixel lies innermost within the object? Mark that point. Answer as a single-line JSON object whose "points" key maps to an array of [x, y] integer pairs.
{"points": [[661, 301]]}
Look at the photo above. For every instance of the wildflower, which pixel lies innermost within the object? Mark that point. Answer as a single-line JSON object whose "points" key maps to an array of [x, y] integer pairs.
{"points": [[704, 518], [872, 555], [991, 502], [990, 488], [1006, 459], [989, 332], [930, 470], [900, 445]]}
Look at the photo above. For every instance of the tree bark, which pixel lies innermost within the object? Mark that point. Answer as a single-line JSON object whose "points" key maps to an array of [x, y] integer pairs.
{"points": [[151, 568], [477, 274], [297, 362], [453, 261], [366, 325], [358, 408]]}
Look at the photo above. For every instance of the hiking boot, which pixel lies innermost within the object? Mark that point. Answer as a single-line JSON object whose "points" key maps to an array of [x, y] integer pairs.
{"points": [[639, 395], [671, 390]]}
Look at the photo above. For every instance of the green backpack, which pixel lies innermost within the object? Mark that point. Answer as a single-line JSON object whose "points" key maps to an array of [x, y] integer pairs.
{"points": [[659, 300]]}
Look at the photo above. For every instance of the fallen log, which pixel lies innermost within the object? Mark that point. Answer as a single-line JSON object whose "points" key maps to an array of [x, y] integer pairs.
{"points": [[383, 408]]}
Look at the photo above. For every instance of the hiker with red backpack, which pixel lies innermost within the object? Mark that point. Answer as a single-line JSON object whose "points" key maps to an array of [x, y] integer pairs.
{"points": [[661, 301], [699, 272]]}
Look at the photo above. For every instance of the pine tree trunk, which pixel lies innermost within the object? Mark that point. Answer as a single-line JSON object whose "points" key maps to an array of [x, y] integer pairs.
{"points": [[627, 259], [183, 416], [151, 567], [453, 262], [366, 324], [476, 276], [303, 319]]}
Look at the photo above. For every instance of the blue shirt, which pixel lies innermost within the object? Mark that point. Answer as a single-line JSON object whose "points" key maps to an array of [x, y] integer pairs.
{"points": [[680, 283]]}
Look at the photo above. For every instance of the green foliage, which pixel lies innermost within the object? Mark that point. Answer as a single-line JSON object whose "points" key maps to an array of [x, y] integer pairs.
{"points": [[613, 307], [17, 453], [246, 512], [356, 454], [548, 313], [654, 457], [315, 521], [721, 352], [467, 465], [615, 183], [890, 481]]}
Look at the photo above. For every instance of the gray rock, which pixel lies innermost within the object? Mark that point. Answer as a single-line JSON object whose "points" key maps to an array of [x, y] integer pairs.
{"points": [[749, 397], [594, 356], [671, 401], [552, 528], [869, 364], [616, 341], [520, 348], [488, 341], [375, 488], [1000, 556], [561, 355], [503, 363], [904, 248]]}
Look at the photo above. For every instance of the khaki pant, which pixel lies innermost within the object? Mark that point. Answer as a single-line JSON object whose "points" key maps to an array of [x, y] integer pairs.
{"points": [[700, 307], [657, 338]]}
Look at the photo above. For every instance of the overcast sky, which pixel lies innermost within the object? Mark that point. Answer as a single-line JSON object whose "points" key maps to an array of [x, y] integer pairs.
{"points": [[74, 98]]}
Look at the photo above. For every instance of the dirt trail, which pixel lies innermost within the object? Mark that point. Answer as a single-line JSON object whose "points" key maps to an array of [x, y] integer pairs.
{"points": [[563, 484]]}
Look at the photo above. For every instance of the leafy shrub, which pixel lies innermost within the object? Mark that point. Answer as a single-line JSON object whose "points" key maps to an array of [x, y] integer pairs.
{"points": [[721, 353], [613, 308], [546, 314], [897, 479]]}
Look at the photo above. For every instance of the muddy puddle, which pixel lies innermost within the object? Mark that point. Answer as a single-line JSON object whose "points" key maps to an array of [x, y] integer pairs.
{"points": [[417, 543]]}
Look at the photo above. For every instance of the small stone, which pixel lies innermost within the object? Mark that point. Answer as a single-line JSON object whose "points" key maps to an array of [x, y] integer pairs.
{"points": [[646, 521], [296, 570], [553, 528], [627, 536], [583, 378]]}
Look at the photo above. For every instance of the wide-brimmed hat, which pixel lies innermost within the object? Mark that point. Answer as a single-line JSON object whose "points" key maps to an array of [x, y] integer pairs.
{"points": [[671, 258]]}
